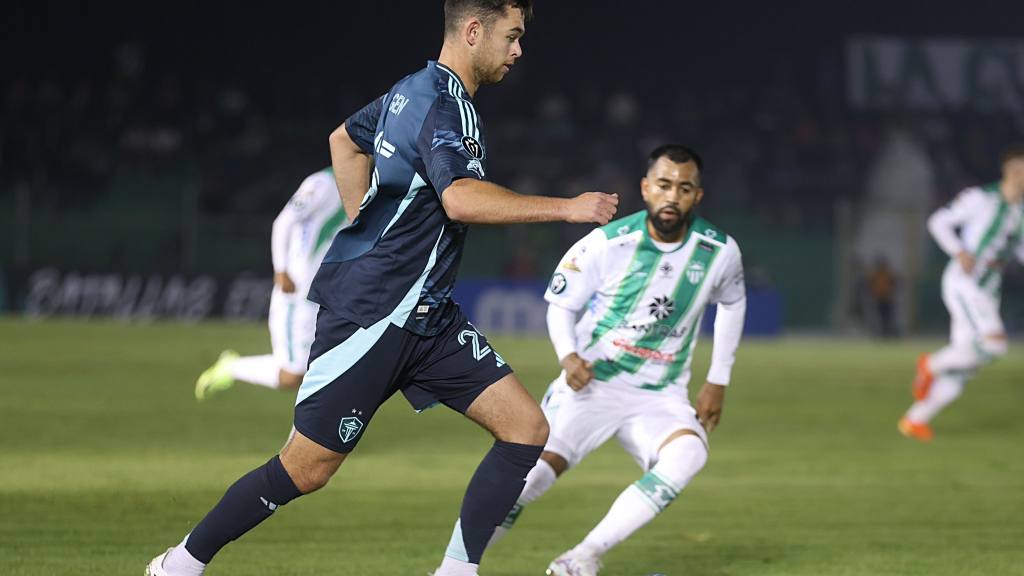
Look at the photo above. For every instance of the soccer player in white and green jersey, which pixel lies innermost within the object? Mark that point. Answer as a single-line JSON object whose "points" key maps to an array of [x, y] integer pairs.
{"points": [[642, 283], [991, 224], [300, 237]]}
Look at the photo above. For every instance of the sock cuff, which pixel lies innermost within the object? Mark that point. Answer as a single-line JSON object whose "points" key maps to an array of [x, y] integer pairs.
{"points": [[525, 455], [280, 482]]}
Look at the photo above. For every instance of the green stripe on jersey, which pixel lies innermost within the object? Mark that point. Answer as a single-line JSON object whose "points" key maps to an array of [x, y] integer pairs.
{"points": [[329, 229], [638, 275], [993, 229], [690, 281]]}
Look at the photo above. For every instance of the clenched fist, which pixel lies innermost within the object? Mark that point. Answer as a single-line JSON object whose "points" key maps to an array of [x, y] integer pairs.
{"points": [[592, 207]]}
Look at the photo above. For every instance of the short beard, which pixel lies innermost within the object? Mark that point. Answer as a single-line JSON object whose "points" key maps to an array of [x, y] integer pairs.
{"points": [[668, 230]]}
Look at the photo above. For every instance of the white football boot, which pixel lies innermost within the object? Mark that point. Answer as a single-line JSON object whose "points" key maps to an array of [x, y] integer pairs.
{"points": [[574, 564], [156, 565]]}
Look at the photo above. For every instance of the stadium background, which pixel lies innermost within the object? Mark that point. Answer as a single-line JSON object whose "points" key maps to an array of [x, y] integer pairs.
{"points": [[146, 148], [147, 142]]}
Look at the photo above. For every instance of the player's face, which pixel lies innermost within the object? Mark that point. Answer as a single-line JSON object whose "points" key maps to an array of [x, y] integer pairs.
{"points": [[499, 47], [671, 190], [1013, 172]]}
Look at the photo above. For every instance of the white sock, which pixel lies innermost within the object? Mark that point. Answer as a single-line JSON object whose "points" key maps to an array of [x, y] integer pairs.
{"points": [[954, 358], [453, 567], [179, 562], [679, 461], [540, 479], [944, 390], [259, 370]]}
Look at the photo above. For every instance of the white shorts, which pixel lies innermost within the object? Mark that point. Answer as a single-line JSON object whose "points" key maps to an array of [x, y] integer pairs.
{"points": [[973, 312], [292, 324], [641, 420]]}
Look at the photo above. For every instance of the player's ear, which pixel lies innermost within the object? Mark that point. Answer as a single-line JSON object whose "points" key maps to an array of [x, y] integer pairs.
{"points": [[474, 31], [699, 196], [643, 187]]}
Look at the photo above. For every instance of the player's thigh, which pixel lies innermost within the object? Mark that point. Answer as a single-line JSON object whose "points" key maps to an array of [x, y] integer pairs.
{"points": [[292, 322], [972, 310], [581, 421], [509, 413], [657, 418], [353, 371]]}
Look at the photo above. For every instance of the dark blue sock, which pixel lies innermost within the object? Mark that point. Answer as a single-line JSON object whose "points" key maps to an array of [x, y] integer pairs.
{"points": [[492, 492], [249, 501]]}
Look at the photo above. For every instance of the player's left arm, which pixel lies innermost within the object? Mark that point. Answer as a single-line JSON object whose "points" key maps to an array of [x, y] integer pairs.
{"points": [[352, 155], [731, 297]]}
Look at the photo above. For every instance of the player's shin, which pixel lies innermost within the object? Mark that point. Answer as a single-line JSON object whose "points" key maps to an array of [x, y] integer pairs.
{"points": [[678, 463], [493, 490], [538, 481], [942, 393], [249, 501]]}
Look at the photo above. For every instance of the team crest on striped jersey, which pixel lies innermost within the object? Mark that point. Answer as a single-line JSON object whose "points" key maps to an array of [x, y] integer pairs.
{"points": [[695, 272]]}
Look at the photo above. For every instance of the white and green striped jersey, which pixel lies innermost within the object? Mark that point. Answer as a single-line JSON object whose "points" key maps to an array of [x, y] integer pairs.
{"points": [[643, 306], [305, 227], [991, 229]]}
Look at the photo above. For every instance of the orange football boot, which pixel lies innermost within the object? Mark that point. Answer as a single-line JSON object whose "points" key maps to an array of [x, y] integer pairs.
{"points": [[915, 430], [923, 379]]}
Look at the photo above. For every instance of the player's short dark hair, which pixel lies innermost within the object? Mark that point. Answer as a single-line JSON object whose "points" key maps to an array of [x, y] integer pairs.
{"points": [[676, 153], [455, 11], [1013, 152]]}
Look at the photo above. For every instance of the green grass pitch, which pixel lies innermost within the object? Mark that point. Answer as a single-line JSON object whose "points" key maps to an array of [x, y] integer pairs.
{"points": [[106, 459]]}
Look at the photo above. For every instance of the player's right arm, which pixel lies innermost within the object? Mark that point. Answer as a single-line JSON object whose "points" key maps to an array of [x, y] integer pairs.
{"points": [[942, 225], [352, 155], [573, 284], [453, 158], [473, 201]]}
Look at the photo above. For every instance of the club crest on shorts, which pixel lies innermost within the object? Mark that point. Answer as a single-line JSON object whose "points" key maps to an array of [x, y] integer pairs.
{"points": [[471, 146], [349, 428]]}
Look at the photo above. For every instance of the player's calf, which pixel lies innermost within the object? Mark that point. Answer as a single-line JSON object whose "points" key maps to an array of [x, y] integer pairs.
{"points": [[678, 462]]}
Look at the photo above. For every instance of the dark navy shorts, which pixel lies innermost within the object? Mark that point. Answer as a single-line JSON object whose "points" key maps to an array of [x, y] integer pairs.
{"points": [[353, 370]]}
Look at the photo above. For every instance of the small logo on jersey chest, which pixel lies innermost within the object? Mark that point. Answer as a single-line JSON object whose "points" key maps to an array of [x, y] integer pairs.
{"points": [[665, 269], [695, 272], [472, 147], [661, 307], [398, 103]]}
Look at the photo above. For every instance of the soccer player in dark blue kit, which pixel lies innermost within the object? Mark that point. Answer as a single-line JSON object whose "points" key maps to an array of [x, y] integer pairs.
{"points": [[386, 321]]}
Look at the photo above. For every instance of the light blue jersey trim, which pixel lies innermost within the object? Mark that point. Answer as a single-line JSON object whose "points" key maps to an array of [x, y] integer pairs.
{"points": [[456, 546], [336, 361], [405, 307], [417, 184]]}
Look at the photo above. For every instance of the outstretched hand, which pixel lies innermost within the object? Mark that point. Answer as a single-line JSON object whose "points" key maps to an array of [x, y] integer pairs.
{"points": [[592, 207]]}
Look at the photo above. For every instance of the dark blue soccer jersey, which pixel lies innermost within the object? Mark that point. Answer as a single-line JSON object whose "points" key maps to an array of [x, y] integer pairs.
{"points": [[399, 258]]}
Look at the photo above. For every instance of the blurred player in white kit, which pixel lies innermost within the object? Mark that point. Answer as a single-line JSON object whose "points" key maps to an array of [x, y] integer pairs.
{"points": [[990, 220], [301, 235]]}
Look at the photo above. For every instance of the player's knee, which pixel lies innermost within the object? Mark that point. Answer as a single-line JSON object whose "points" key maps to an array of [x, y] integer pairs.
{"points": [[994, 346], [311, 478], [680, 460], [289, 380], [558, 464], [536, 429]]}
